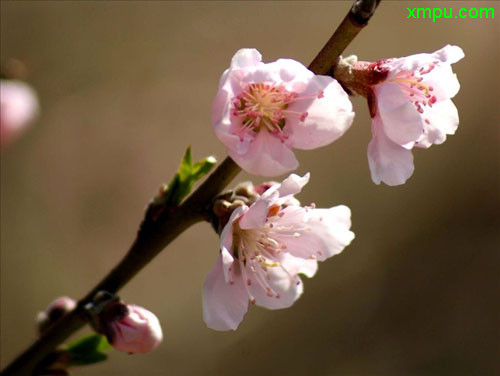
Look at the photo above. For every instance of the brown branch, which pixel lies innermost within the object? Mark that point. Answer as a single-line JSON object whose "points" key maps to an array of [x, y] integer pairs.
{"points": [[352, 24], [155, 235]]}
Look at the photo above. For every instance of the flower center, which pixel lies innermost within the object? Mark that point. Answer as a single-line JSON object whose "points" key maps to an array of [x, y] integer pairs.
{"points": [[263, 106], [255, 250]]}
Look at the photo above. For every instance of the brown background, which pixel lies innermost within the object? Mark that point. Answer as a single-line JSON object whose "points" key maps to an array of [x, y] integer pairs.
{"points": [[126, 86]]}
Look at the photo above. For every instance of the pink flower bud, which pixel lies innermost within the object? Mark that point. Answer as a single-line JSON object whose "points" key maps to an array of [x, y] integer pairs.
{"points": [[137, 330], [57, 309], [19, 107]]}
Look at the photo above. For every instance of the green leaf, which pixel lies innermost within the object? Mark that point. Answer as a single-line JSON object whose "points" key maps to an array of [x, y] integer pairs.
{"points": [[88, 350], [183, 181]]}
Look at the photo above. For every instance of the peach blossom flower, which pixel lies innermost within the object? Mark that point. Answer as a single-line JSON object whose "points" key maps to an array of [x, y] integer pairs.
{"points": [[413, 109], [265, 247], [263, 111], [18, 108]]}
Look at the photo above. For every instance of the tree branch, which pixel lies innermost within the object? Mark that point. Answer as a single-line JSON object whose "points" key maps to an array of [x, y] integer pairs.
{"points": [[155, 235], [352, 24]]}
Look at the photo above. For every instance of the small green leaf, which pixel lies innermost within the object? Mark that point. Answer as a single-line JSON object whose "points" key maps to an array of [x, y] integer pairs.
{"points": [[92, 358], [182, 183], [88, 350], [104, 345]]}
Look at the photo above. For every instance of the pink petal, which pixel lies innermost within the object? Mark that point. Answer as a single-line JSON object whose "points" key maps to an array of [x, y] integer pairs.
{"points": [[224, 304], [401, 121], [256, 215], [266, 156], [388, 161], [442, 120], [319, 234], [443, 81], [327, 118], [297, 265], [290, 71], [139, 331], [245, 57], [221, 120], [449, 54], [293, 184], [445, 56], [287, 286]]}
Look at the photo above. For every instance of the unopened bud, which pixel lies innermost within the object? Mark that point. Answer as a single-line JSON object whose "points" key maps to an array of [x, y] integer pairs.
{"points": [[127, 327], [57, 309], [134, 330]]}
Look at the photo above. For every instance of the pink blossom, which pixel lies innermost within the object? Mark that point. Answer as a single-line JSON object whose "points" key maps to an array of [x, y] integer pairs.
{"points": [[413, 109], [262, 111], [18, 108], [136, 330], [265, 247]]}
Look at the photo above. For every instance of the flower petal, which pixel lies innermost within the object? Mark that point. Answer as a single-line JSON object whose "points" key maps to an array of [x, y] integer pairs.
{"points": [[443, 120], [314, 233], [245, 57], [293, 184], [443, 81], [298, 265], [288, 288], [266, 156], [401, 121], [388, 161], [327, 118], [449, 54], [224, 304], [256, 215]]}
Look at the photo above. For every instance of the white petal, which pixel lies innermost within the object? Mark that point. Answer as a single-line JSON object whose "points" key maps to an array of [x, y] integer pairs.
{"points": [[290, 72], [317, 233], [388, 161], [288, 287], [297, 265], [224, 304], [293, 184], [245, 57], [443, 120], [401, 121], [443, 81], [328, 118], [449, 54]]}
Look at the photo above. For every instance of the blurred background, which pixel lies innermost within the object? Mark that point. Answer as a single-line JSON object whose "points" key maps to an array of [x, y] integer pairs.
{"points": [[126, 86]]}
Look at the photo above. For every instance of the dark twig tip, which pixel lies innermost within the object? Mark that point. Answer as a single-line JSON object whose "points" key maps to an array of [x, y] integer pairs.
{"points": [[363, 10]]}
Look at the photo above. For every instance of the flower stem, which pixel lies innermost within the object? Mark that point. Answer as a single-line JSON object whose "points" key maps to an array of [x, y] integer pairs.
{"points": [[155, 235]]}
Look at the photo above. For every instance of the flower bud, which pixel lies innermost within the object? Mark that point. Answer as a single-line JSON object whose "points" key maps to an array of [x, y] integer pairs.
{"points": [[57, 309], [133, 329]]}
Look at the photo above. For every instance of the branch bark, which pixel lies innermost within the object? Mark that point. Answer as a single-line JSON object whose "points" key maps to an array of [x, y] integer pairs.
{"points": [[154, 236]]}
